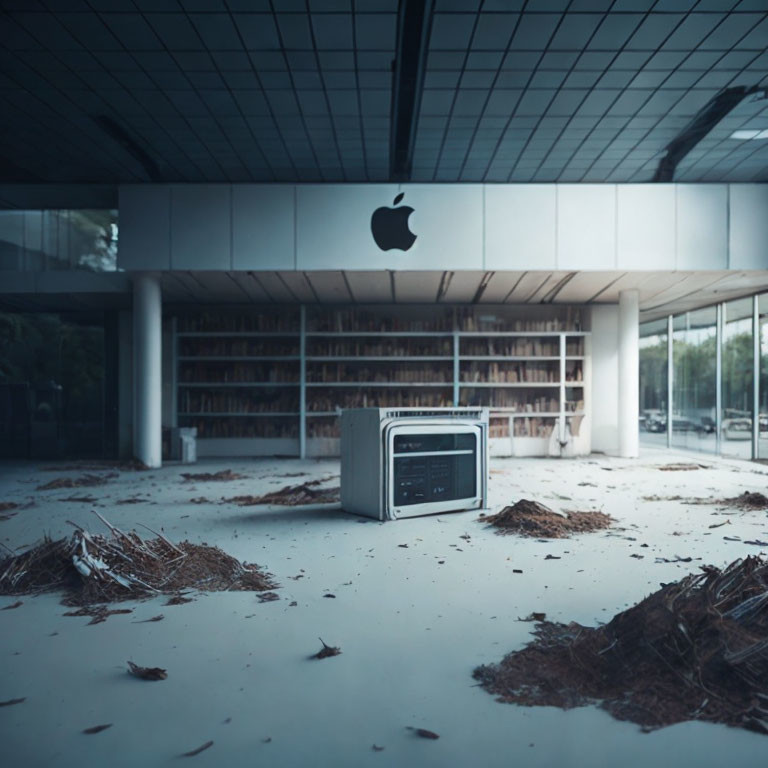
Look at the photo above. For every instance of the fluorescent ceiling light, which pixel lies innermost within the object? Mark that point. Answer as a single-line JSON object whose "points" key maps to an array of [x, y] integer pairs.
{"points": [[744, 135]]}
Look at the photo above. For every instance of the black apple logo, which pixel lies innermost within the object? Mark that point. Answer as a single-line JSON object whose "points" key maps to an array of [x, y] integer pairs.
{"points": [[389, 227]]}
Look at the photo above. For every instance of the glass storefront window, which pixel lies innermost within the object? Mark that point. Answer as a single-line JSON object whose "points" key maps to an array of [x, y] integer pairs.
{"points": [[736, 429], [762, 446], [694, 380], [58, 240], [653, 382]]}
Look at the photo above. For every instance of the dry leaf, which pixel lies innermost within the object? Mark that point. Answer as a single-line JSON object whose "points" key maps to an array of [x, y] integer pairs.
{"points": [[424, 733], [268, 597], [97, 728], [11, 702], [159, 617], [147, 673], [325, 651], [197, 751], [377, 748], [179, 600], [12, 605]]}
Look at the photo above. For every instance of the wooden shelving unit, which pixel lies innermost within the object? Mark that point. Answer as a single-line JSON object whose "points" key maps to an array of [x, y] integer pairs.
{"points": [[274, 383]]}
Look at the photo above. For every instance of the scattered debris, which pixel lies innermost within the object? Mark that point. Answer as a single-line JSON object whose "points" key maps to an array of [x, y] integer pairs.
{"points": [[179, 600], [146, 673], [292, 604], [590, 485], [268, 597], [534, 617], [200, 500], [10, 607], [80, 499], [376, 748], [159, 617], [85, 481], [719, 525], [123, 566], [98, 613], [292, 495], [6, 506], [530, 518], [516, 570], [553, 557], [746, 501], [423, 732], [757, 543], [133, 500], [697, 649], [97, 728], [197, 751], [223, 476], [403, 546], [681, 467], [638, 557], [677, 559], [329, 594], [325, 651], [11, 702]]}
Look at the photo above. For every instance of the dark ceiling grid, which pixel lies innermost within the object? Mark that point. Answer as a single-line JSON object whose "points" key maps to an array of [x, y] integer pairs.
{"points": [[132, 122], [55, 139], [359, 131], [228, 172], [723, 55]]}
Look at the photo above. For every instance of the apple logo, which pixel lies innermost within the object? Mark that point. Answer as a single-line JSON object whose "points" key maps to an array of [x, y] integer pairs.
{"points": [[389, 227]]}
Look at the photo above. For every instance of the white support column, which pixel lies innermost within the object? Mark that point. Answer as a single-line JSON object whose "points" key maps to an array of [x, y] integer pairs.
{"points": [[755, 377], [147, 366], [629, 372], [670, 375]]}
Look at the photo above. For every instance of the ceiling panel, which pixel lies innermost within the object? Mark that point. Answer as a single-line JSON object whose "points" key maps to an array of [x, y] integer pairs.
{"points": [[329, 287], [292, 92], [374, 287], [417, 287], [462, 286]]}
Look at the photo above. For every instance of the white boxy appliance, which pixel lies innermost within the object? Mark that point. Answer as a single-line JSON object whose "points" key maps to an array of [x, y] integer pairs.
{"points": [[405, 462]]}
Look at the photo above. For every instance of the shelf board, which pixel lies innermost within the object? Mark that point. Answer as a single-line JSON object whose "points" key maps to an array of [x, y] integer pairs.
{"points": [[229, 359], [322, 413], [237, 334], [509, 357], [375, 384], [241, 384], [377, 334], [574, 384], [502, 413], [383, 358], [528, 384], [249, 414], [574, 357], [521, 334]]}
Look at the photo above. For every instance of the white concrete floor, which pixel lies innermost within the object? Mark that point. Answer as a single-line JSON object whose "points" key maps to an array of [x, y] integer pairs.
{"points": [[411, 627]]}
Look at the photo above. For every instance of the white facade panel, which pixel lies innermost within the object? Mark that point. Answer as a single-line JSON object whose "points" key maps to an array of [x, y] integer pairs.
{"points": [[586, 226], [333, 229], [748, 232], [520, 226], [645, 226], [145, 227], [605, 378], [263, 234], [201, 232], [702, 226]]}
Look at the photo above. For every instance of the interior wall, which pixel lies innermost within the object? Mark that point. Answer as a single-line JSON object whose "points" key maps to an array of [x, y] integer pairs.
{"points": [[605, 378]]}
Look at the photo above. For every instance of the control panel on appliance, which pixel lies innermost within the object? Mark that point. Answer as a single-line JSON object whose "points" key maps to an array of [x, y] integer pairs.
{"points": [[434, 467]]}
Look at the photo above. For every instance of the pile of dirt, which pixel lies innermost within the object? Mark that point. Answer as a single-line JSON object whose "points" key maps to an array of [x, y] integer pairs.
{"points": [[223, 476], [85, 481], [746, 501], [123, 566], [696, 649], [530, 518], [681, 467], [292, 496]]}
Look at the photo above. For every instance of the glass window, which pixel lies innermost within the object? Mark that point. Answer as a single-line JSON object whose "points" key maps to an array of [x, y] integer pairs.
{"points": [[58, 240], [694, 380], [653, 382], [762, 446], [736, 430]]}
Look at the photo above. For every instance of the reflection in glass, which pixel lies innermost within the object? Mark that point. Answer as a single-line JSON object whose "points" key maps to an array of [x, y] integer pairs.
{"points": [[736, 430], [653, 382], [58, 240], [694, 380]]}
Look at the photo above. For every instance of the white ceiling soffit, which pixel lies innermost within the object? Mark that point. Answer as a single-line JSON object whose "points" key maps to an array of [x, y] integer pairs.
{"points": [[648, 283], [499, 285], [370, 287], [693, 286], [275, 287], [330, 287], [251, 287], [299, 286], [584, 286], [461, 287], [415, 287]]}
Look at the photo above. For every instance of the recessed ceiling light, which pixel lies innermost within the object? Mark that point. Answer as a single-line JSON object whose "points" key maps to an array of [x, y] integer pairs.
{"points": [[744, 135]]}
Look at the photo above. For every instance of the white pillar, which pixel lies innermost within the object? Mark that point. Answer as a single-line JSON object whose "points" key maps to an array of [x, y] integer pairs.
{"points": [[147, 367], [629, 372]]}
